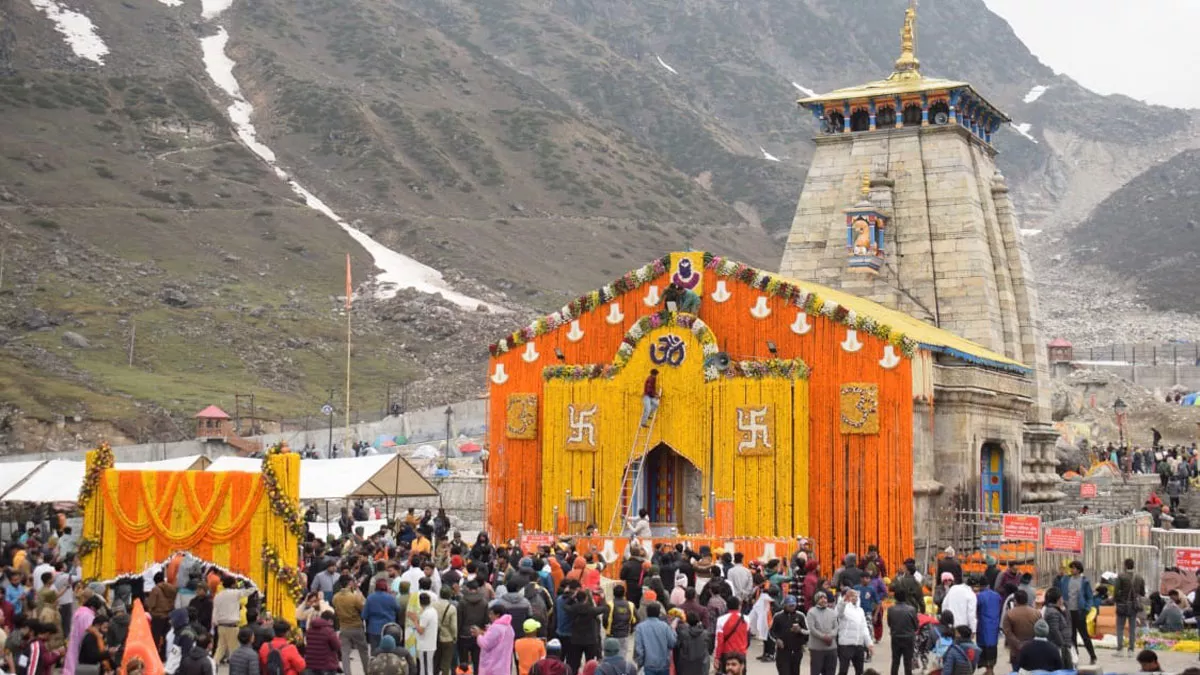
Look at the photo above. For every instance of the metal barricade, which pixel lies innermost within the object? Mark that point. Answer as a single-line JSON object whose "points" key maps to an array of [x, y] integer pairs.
{"points": [[1147, 561]]}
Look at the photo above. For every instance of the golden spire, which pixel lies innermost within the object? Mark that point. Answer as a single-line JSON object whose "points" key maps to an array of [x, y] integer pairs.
{"points": [[907, 66], [866, 184]]}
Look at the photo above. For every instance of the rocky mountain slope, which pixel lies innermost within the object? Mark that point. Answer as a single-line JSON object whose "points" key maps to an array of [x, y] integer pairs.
{"points": [[529, 150]]}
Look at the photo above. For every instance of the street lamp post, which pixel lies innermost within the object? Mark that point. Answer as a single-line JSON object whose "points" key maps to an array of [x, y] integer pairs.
{"points": [[449, 413], [1119, 408]]}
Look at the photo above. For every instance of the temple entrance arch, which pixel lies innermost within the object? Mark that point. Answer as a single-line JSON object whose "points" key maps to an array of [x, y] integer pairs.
{"points": [[672, 489]]}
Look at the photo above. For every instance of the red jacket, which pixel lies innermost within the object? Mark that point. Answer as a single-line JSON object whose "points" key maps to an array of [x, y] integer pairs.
{"points": [[293, 663], [734, 635]]}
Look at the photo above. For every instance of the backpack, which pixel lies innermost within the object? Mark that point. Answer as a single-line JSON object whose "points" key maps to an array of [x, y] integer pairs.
{"points": [[274, 661], [692, 650]]}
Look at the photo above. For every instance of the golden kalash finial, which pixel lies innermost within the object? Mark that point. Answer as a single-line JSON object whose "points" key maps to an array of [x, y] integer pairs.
{"points": [[907, 66], [866, 184]]}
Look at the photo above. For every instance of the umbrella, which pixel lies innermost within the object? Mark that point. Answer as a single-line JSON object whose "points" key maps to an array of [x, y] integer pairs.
{"points": [[469, 447]]}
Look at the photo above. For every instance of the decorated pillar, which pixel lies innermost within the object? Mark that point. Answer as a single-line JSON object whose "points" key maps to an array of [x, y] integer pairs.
{"points": [[846, 117], [872, 112], [899, 112], [954, 106], [924, 110]]}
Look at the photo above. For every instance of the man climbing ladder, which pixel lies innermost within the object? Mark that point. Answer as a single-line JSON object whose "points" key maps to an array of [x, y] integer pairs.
{"points": [[651, 395]]}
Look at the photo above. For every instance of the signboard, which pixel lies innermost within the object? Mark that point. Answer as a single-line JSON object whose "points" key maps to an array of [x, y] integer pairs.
{"points": [[1021, 528], [532, 542], [1187, 558], [1063, 540], [1087, 490], [1105, 534], [326, 409]]}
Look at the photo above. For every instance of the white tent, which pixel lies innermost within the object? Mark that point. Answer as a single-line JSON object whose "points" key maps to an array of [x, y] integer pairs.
{"points": [[347, 477], [12, 473], [59, 480]]}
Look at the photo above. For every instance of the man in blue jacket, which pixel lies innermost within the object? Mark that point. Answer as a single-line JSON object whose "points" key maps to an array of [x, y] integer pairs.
{"points": [[1077, 592], [379, 610], [653, 642], [988, 608]]}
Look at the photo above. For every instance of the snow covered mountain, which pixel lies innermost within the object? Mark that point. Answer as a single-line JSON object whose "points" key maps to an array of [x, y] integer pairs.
{"points": [[179, 165]]}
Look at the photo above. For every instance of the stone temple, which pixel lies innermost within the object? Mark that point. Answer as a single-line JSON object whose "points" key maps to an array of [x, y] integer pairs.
{"points": [[903, 205]]}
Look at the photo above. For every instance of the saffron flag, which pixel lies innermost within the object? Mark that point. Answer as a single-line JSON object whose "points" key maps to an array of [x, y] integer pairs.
{"points": [[348, 282]]}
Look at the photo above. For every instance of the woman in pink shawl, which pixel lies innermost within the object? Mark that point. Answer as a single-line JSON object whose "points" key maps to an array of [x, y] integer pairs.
{"points": [[80, 623]]}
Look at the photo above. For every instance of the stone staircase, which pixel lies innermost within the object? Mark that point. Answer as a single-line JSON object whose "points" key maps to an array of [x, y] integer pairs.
{"points": [[1114, 496]]}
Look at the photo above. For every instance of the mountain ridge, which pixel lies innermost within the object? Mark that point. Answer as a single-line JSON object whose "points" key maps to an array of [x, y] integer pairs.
{"points": [[527, 150]]}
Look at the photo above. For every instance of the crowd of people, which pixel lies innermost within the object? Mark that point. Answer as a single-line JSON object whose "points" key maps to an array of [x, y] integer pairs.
{"points": [[415, 598]]}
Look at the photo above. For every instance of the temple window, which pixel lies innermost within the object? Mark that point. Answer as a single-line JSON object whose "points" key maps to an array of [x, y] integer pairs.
{"points": [[836, 123], [939, 113], [885, 118], [912, 114], [860, 120]]}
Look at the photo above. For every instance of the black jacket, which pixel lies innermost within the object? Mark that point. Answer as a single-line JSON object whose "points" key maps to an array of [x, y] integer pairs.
{"points": [[472, 611], [585, 629], [902, 621], [781, 629], [631, 574], [195, 662], [952, 566]]}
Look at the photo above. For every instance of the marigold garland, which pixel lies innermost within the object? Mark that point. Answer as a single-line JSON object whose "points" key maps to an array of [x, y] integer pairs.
{"points": [[91, 481], [288, 576], [636, 332], [786, 368], [281, 505], [585, 303], [766, 282]]}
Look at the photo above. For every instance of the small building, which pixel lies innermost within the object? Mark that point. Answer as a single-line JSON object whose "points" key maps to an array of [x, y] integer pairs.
{"points": [[1060, 350], [212, 423]]}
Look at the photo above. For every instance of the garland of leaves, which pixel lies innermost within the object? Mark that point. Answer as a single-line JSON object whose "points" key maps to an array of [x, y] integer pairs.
{"points": [[639, 330], [812, 303], [86, 547], [795, 369], [281, 504], [91, 481], [585, 303], [287, 575]]}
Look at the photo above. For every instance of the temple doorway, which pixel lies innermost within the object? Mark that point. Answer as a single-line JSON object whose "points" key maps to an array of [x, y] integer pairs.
{"points": [[991, 478], [672, 490]]}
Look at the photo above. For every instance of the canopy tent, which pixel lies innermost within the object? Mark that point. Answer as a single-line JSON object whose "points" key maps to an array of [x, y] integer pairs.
{"points": [[59, 480], [347, 477], [1191, 399], [13, 473]]}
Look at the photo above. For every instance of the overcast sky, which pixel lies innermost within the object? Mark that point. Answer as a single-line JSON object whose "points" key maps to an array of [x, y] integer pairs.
{"points": [[1141, 48]]}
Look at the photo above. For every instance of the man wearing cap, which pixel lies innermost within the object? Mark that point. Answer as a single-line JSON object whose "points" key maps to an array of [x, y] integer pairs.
{"points": [[379, 610], [822, 624], [529, 649], [612, 662], [653, 641], [790, 633], [950, 564], [1039, 653], [960, 601], [552, 663], [907, 581]]}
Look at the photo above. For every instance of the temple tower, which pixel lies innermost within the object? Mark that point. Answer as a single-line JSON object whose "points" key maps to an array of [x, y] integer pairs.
{"points": [[903, 204]]}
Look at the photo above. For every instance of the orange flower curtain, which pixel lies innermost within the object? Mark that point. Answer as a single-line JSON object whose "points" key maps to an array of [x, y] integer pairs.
{"points": [[137, 518]]}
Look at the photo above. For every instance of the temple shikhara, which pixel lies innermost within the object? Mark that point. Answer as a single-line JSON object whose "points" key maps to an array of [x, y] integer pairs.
{"points": [[890, 368]]}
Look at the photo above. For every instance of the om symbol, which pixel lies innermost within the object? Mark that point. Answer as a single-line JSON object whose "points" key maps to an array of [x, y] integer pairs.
{"points": [[669, 350]]}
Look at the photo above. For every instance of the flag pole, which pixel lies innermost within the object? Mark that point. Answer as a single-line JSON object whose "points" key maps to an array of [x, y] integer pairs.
{"points": [[349, 288]]}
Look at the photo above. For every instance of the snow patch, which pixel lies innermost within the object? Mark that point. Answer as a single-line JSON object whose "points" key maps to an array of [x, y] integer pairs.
{"points": [[804, 90], [78, 30], [768, 156], [1026, 232], [398, 271], [211, 9], [664, 65], [1023, 129], [1035, 93], [172, 3]]}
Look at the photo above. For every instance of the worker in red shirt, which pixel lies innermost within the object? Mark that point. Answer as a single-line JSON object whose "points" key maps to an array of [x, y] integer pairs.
{"points": [[651, 395], [293, 663]]}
